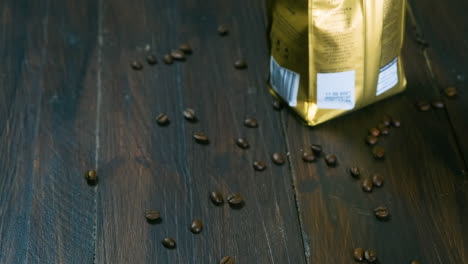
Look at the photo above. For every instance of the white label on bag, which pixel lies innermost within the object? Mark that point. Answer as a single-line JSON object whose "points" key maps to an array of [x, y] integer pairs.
{"points": [[388, 77], [284, 81], [336, 90]]}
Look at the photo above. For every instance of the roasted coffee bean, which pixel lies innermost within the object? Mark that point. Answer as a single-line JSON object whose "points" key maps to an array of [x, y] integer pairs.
{"points": [[358, 254], [438, 104], [384, 131], [91, 177], [374, 132], [223, 30], [136, 65], [415, 262], [331, 160], [217, 198], [371, 140], [367, 185], [168, 59], [355, 172], [423, 106], [196, 226], [259, 165], [235, 200], [240, 64], [370, 255], [242, 143], [153, 216], [377, 180], [169, 243], [277, 104], [396, 122], [450, 91], [317, 149], [178, 54], [381, 212], [151, 59], [162, 119], [378, 152], [189, 114], [201, 138], [308, 156], [386, 120], [185, 47], [250, 122], [278, 158], [226, 260]]}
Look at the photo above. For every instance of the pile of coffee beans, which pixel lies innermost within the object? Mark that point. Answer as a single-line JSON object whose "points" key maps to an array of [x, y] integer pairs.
{"points": [[381, 129]]}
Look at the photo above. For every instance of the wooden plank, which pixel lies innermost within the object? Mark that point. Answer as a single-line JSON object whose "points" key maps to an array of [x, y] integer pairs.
{"points": [[425, 183], [445, 29], [144, 166]]}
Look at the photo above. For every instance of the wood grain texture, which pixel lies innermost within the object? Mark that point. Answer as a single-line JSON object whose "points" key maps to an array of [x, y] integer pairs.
{"points": [[144, 166], [425, 182]]}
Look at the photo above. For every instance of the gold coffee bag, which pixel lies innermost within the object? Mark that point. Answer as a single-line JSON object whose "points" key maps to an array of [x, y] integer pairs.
{"points": [[330, 57]]}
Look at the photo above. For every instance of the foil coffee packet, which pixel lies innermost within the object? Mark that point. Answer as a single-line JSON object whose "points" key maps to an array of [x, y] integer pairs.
{"points": [[331, 57]]}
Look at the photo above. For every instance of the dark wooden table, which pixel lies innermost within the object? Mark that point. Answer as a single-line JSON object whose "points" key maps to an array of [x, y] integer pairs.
{"points": [[69, 102]]}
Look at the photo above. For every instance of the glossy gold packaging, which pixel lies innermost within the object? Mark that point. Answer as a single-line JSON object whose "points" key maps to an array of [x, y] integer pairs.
{"points": [[331, 57]]}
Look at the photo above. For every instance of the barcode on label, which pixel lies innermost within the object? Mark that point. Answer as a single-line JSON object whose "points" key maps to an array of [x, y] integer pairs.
{"points": [[285, 82]]}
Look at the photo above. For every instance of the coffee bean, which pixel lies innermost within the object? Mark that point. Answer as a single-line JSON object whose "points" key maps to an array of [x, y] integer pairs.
{"points": [[415, 262], [185, 47], [278, 158], [178, 54], [386, 120], [259, 165], [189, 114], [377, 180], [240, 64], [450, 91], [153, 216], [223, 30], [169, 243], [162, 119], [370, 255], [168, 59], [358, 254], [367, 185], [235, 200], [438, 104], [277, 104], [317, 149], [151, 59], [331, 160], [201, 138], [226, 260], [308, 156], [242, 143], [423, 106], [250, 122], [91, 177], [381, 212], [384, 131], [396, 122], [374, 132], [196, 226], [136, 65], [378, 152], [371, 140], [217, 198], [355, 172]]}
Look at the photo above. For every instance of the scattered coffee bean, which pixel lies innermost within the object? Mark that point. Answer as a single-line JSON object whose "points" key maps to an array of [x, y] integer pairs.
{"points": [[278, 158], [308, 156], [136, 65], [374, 132], [169, 243], [386, 120], [415, 262], [153, 216], [331, 160], [162, 119], [201, 138], [396, 122], [438, 104], [151, 59], [381, 212], [423, 106], [196, 226], [370, 255], [450, 91], [91, 177], [377, 180], [177, 54], [378, 152], [168, 59], [317, 149], [355, 172], [277, 104], [226, 260], [185, 47], [189, 114], [240, 64], [367, 185], [358, 254], [384, 131], [235, 200], [250, 122], [371, 140], [259, 165], [242, 143], [217, 198], [223, 30]]}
